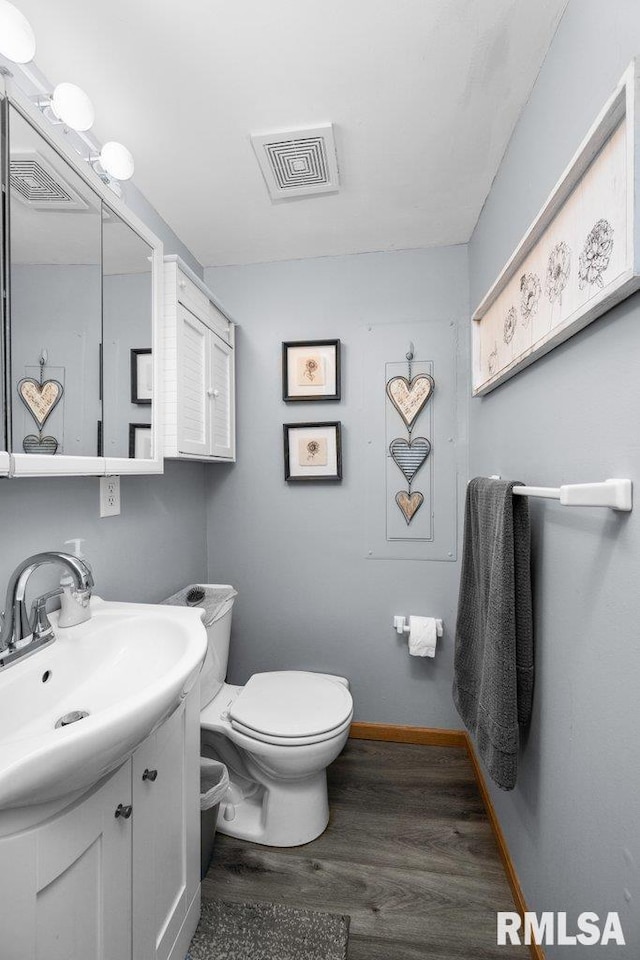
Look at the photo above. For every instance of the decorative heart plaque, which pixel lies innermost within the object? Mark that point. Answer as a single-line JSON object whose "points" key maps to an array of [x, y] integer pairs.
{"points": [[409, 455], [40, 398], [35, 444], [409, 503], [410, 396]]}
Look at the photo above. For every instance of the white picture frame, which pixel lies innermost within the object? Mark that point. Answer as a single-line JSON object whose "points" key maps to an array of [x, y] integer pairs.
{"points": [[578, 258]]}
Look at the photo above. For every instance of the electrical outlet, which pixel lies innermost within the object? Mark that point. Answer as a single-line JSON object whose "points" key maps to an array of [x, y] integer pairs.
{"points": [[109, 496]]}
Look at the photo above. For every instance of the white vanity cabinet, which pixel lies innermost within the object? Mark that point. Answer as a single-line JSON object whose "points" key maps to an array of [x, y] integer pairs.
{"points": [[86, 884], [199, 370], [67, 881]]}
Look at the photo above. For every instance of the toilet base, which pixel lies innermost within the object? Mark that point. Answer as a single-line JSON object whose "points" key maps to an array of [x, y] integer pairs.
{"points": [[279, 813]]}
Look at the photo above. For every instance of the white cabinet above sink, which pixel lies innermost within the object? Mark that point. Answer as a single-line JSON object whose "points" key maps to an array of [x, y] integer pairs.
{"points": [[199, 370]]}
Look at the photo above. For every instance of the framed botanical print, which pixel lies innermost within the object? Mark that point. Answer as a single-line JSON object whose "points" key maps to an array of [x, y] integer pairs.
{"points": [[312, 451], [140, 441], [141, 375], [311, 370]]}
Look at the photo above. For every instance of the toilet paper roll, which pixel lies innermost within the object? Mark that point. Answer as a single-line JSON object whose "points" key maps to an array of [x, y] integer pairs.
{"points": [[423, 636]]}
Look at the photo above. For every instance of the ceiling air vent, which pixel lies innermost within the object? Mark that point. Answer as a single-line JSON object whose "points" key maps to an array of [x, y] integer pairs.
{"points": [[35, 183], [298, 163]]}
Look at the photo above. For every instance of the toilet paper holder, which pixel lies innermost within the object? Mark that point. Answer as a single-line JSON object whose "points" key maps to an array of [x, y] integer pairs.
{"points": [[401, 626]]}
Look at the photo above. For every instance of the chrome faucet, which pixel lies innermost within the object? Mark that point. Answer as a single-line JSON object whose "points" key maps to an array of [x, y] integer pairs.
{"points": [[17, 626]]}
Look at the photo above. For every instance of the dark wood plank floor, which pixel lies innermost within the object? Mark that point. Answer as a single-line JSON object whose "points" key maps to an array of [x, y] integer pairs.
{"points": [[408, 854]]}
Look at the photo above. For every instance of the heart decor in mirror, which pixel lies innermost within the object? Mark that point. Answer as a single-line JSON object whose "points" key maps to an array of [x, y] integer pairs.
{"points": [[40, 398], [409, 504], [409, 455], [35, 444], [410, 396]]}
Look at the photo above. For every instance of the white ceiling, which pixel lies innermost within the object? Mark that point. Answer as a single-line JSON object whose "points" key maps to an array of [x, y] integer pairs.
{"points": [[424, 95]]}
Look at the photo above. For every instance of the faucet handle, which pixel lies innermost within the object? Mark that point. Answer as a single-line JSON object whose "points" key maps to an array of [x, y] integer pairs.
{"points": [[40, 625]]}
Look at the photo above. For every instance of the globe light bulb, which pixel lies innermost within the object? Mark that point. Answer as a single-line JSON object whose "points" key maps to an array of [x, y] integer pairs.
{"points": [[117, 161], [72, 106], [17, 40]]}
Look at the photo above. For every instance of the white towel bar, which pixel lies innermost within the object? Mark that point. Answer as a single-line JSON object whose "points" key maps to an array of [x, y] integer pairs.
{"points": [[616, 494]]}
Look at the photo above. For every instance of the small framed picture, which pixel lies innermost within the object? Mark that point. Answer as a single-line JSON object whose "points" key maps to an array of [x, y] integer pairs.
{"points": [[141, 375], [312, 451], [311, 370], [140, 441]]}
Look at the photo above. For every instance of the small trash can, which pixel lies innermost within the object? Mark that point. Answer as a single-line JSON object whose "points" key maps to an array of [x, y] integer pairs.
{"points": [[214, 783]]}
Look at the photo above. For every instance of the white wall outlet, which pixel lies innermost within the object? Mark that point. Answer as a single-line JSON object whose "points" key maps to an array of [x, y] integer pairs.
{"points": [[109, 496]]}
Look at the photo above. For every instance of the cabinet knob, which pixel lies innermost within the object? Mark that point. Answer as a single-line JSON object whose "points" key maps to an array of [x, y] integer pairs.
{"points": [[150, 775], [211, 392], [182, 284], [124, 811]]}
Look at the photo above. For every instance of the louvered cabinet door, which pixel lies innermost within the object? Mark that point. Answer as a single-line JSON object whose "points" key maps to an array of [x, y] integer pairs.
{"points": [[222, 392], [193, 382]]}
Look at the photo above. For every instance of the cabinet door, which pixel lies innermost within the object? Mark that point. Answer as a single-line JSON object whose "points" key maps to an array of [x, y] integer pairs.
{"points": [[193, 378], [166, 838], [223, 399], [69, 895]]}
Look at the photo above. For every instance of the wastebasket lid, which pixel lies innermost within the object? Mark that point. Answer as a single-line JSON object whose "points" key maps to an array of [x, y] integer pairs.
{"points": [[291, 703]]}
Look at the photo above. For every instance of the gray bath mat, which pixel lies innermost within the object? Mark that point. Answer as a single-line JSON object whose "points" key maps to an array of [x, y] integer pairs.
{"points": [[267, 931]]}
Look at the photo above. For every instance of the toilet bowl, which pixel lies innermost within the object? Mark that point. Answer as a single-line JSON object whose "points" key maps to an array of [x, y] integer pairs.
{"points": [[277, 735]]}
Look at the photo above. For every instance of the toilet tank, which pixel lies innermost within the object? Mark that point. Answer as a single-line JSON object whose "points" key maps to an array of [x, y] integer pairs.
{"points": [[214, 669]]}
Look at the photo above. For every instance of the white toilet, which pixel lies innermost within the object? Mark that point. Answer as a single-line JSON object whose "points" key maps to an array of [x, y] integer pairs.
{"points": [[276, 735]]}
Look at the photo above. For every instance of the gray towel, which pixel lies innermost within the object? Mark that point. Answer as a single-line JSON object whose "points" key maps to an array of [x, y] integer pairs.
{"points": [[493, 673]]}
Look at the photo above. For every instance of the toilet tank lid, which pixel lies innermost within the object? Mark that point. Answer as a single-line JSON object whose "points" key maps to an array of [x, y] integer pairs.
{"points": [[292, 703], [215, 599]]}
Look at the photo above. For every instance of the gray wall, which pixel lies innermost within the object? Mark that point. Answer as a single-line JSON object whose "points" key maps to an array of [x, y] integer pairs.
{"points": [[313, 601], [572, 821], [156, 545], [139, 204]]}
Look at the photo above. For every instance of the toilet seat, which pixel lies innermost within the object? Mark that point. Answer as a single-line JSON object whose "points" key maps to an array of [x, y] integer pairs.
{"points": [[291, 708]]}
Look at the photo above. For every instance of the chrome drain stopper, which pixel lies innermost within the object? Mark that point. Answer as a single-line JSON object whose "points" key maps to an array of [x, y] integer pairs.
{"points": [[72, 717]]}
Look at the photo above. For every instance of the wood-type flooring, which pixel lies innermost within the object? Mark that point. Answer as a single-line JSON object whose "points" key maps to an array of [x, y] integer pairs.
{"points": [[408, 854]]}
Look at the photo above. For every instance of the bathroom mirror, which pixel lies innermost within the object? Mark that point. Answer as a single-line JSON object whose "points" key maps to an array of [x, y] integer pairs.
{"points": [[126, 346], [83, 281], [55, 305]]}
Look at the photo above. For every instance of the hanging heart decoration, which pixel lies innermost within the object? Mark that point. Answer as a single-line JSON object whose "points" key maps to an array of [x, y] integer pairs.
{"points": [[410, 396], [409, 504], [35, 444], [40, 399], [409, 455]]}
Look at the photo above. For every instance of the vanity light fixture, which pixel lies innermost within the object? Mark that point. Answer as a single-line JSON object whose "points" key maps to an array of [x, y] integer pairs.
{"points": [[17, 40], [114, 160], [68, 104]]}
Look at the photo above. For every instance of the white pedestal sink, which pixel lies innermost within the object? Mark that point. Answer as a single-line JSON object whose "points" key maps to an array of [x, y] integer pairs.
{"points": [[99, 819], [127, 668]]}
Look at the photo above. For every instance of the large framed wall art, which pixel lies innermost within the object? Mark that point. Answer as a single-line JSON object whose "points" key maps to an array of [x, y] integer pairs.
{"points": [[579, 257]]}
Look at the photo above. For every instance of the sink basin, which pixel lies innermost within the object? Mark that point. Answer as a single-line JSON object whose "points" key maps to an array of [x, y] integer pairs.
{"points": [[127, 668]]}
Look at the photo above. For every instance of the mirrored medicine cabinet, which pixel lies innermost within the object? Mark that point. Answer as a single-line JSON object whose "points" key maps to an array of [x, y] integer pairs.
{"points": [[81, 276]]}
